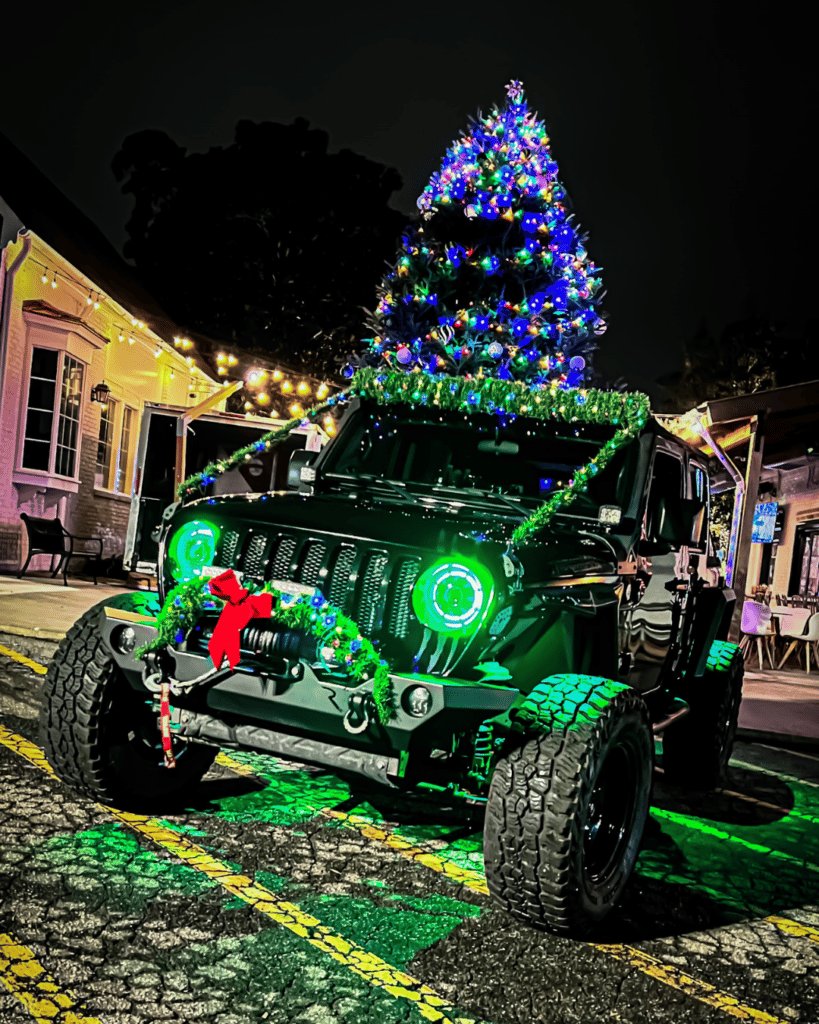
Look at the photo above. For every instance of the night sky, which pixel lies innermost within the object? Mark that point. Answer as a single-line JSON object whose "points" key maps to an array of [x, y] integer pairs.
{"points": [[681, 131]]}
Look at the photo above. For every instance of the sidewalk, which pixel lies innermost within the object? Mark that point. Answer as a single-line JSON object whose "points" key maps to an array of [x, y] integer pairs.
{"points": [[775, 705], [37, 606]]}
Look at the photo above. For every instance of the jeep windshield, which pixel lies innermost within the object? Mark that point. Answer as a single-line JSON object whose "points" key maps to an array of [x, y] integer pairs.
{"points": [[457, 456]]}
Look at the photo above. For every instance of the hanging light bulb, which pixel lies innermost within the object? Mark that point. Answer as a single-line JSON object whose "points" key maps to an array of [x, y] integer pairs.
{"points": [[322, 391], [54, 281], [277, 375], [177, 341], [296, 409], [220, 357], [287, 386], [120, 336], [158, 352], [44, 278], [89, 301], [248, 405], [130, 340], [253, 377], [97, 302], [189, 360], [171, 375], [303, 388], [232, 360], [263, 397]]}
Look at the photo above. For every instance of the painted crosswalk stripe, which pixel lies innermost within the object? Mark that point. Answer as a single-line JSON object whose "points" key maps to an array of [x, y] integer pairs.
{"points": [[27, 980], [35, 666], [355, 958], [668, 974]]}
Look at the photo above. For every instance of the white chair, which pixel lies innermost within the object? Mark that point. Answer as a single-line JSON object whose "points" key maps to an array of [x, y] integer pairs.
{"points": [[809, 635], [756, 623]]}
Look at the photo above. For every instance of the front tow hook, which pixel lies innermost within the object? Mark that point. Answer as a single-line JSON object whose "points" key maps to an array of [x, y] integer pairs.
{"points": [[357, 718]]}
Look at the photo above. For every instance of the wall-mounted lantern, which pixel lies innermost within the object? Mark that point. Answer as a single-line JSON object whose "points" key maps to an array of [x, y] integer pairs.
{"points": [[100, 393]]}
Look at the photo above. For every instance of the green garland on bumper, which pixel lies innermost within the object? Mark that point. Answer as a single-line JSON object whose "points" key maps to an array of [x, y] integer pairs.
{"points": [[353, 654]]}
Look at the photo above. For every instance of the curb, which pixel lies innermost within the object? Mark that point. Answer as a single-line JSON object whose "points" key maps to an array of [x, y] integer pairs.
{"points": [[778, 739], [33, 634]]}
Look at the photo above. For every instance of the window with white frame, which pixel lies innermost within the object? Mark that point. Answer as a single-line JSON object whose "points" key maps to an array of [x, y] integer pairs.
{"points": [[106, 463], [53, 412], [124, 460]]}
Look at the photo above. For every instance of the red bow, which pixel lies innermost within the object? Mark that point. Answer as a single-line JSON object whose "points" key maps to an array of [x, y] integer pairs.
{"points": [[239, 609]]}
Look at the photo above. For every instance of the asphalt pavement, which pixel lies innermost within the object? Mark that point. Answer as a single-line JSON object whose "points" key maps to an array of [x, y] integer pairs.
{"points": [[280, 893]]}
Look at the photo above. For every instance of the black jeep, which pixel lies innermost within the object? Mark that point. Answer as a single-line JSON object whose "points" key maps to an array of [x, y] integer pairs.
{"points": [[528, 679]]}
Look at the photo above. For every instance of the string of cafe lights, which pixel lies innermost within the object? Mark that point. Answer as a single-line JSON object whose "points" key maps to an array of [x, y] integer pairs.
{"points": [[294, 389], [299, 390], [124, 324]]}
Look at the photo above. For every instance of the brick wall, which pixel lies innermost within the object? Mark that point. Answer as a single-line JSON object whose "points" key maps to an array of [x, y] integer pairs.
{"points": [[93, 513]]}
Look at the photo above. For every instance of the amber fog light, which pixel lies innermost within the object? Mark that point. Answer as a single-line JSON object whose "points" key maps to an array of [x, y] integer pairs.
{"points": [[418, 701], [124, 639]]}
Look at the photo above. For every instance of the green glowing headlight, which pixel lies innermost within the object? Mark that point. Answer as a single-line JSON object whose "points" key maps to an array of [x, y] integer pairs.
{"points": [[450, 597], [192, 548]]}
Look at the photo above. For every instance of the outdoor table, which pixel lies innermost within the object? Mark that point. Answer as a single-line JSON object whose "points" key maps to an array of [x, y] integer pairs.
{"points": [[789, 621]]}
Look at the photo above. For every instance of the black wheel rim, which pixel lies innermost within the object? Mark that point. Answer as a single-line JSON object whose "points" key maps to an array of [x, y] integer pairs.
{"points": [[610, 814]]}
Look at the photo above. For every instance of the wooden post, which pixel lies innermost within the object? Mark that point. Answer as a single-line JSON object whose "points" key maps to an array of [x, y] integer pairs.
{"points": [[756, 445], [192, 414]]}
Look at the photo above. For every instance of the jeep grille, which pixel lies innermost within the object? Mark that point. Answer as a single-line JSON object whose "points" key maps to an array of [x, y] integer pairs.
{"points": [[372, 586]]}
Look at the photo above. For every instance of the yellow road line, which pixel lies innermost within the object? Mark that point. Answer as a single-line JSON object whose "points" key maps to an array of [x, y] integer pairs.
{"points": [[27, 980], [678, 979], [35, 666], [668, 974], [474, 880], [355, 958], [802, 931], [235, 766], [768, 771], [721, 836], [377, 971], [792, 813]]}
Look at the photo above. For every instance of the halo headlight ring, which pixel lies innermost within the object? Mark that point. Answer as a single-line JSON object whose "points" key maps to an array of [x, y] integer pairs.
{"points": [[191, 549], [451, 597]]}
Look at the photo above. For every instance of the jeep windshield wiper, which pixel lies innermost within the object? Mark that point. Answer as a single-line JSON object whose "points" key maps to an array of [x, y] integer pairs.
{"points": [[519, 509], [396, 488]]}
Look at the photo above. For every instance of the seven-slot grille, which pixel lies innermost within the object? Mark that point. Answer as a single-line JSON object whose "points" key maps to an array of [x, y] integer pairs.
{"points": [[371, 585]]}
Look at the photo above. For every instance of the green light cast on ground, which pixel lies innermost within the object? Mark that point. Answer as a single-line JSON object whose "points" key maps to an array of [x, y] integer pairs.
{"points": [[744, 868]]}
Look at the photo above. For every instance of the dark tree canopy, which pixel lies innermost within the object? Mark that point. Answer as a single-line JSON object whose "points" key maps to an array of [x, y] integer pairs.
{"points": [[272, 244], [752, 354]]}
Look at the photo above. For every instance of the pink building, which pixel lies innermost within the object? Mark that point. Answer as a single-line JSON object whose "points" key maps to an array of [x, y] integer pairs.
{"points": [[73, 315]]}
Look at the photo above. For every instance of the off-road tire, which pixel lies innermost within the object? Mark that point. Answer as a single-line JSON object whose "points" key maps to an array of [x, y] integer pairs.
{"points": [[696, 749], [568, 803], [99, 734]]}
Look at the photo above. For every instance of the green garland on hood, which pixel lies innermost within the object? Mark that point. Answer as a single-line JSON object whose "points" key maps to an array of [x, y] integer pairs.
{"points": [[347, 652], [627, 412]]}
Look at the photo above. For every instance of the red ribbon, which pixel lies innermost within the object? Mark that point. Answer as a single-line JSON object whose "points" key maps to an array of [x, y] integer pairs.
{"points": [[165, 724], [239, 609]]}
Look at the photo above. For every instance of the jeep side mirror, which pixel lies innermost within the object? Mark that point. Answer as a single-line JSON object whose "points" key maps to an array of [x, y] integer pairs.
{"points": [[680, 522], [298, 471]]}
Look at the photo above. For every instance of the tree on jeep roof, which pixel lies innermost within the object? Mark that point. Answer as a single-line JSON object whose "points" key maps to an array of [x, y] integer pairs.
{"points": [[497, 279]]}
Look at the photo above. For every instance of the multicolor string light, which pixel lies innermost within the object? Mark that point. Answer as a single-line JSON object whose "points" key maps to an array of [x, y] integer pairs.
{"points": [[498, 278]]}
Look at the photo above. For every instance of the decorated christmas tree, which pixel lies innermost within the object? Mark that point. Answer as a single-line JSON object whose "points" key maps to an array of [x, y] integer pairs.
{"points": [[496, 281]]}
